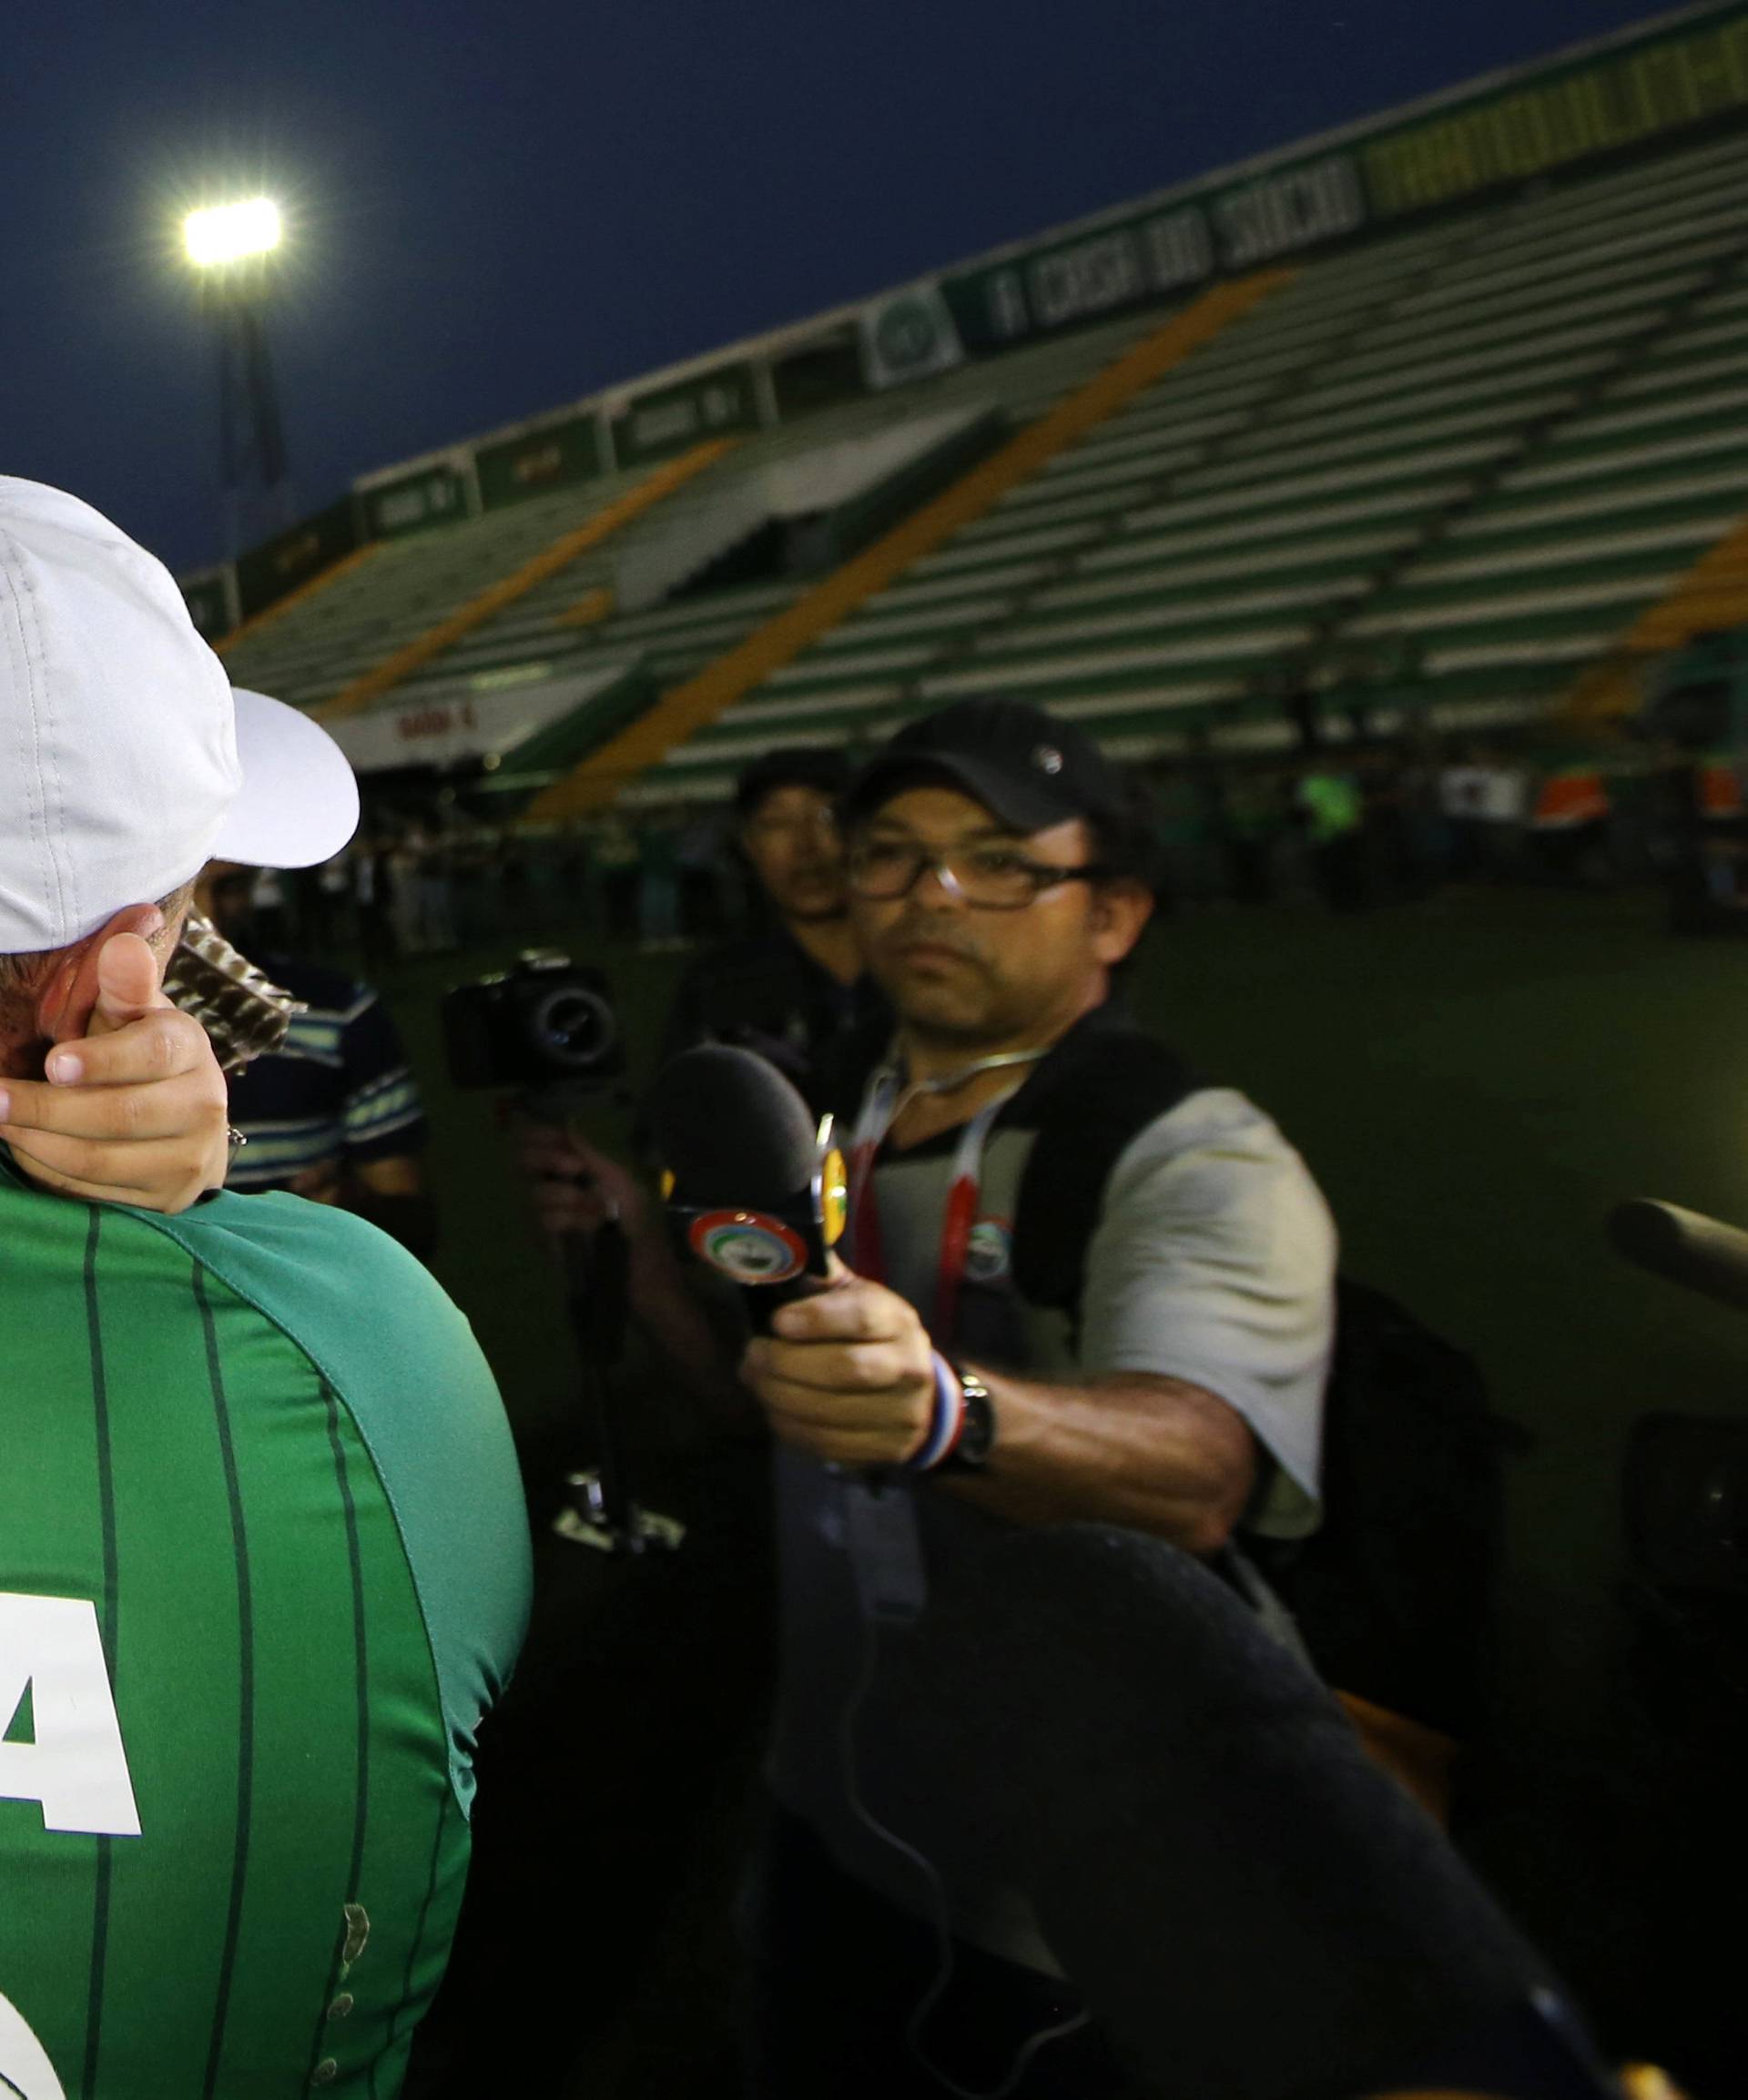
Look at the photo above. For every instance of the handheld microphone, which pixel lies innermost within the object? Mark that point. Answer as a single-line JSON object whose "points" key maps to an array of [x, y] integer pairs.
{"points": [[1700, 1253], [758, 1188]]}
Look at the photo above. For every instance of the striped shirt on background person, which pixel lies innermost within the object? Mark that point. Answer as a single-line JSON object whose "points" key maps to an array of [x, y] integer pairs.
{"points": [[339, 1090]]}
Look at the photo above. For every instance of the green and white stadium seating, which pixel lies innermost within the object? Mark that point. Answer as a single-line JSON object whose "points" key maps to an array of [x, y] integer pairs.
{"points": [[1438, 472], [1436, 476]]}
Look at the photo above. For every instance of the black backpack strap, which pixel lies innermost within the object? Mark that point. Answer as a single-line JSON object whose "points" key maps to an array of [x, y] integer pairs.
{"points": [[845, 1066], [1102, 1086]]}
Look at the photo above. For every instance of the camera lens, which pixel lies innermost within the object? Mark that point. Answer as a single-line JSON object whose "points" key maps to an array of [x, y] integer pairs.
{"points": [[573, 1027]]}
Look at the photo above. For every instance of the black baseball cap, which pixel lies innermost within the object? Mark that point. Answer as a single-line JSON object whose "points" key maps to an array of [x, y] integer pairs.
{"points": [[819, 766], [1029, 768]]}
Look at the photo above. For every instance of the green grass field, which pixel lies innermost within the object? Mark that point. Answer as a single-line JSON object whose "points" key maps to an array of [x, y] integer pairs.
{"points": [[1475, 1081]]}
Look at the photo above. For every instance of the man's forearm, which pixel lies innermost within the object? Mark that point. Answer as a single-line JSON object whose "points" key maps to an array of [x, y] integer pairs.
{"points": [[1152, 1453]]}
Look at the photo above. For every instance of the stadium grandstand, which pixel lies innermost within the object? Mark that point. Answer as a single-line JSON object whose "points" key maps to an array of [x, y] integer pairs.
{"points": [[1437, 420]]}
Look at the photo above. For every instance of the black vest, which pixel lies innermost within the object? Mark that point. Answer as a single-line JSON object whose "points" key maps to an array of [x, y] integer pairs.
{"points": [[1394, 1593]]}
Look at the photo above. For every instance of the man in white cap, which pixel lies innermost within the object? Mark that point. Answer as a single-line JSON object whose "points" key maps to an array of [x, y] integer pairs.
{"points": [[263, 1556]]}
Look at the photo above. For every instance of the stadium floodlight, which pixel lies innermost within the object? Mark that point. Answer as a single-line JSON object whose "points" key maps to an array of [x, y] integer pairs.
{"points": [[232, 250], [231, 232]]}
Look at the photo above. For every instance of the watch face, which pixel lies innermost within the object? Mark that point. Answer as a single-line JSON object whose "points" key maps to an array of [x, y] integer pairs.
{"points": [[977, 1438]]}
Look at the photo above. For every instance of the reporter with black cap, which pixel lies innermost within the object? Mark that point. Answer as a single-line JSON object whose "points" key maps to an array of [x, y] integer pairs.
{"points": [[1085, 1286]]}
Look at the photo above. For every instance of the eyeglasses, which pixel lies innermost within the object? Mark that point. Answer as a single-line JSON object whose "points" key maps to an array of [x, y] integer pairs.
{"points": [[987, 877]]}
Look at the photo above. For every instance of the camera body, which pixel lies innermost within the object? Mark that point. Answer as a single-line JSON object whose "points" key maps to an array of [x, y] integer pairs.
{"points": [[546, 1021]]}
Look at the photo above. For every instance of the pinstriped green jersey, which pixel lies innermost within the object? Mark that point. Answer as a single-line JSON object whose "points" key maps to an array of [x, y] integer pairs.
{"points": [[263, 1564]]}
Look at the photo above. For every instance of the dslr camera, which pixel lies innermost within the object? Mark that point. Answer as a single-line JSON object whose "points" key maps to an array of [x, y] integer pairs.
{"points": [[547, 1022]]}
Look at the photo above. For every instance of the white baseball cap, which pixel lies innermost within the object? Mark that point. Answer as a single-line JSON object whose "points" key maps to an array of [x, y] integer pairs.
{"points": [[127, 760]]}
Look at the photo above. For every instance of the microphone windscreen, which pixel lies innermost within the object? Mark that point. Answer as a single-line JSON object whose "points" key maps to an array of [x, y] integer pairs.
{"points": [[1252, 1909], [1699, 1252], [731, 1129]]}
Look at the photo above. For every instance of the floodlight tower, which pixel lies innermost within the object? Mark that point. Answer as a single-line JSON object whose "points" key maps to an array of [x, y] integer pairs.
{"points": [[231, 247]]}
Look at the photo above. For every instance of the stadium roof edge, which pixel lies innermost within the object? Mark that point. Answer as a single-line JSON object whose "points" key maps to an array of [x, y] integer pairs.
{"points": [[796, 334], [1343, 135]]}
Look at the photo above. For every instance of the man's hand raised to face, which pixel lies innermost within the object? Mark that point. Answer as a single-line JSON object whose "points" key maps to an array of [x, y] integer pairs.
{"points": [[847, 1375], [134, 1109]]}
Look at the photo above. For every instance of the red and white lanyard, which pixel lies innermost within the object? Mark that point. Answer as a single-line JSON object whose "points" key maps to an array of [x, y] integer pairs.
{"points": [[885, 1099]]}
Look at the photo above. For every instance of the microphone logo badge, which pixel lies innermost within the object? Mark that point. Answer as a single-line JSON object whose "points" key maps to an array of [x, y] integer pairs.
{"points": [[749, 1246]]}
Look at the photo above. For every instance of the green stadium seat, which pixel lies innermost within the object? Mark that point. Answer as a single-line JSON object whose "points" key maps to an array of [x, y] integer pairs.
{"points": [[1435, 476]]}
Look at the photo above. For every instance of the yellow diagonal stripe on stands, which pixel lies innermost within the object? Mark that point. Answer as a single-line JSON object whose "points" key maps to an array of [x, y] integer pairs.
{"points": [[302, 595], [1712, 595], [700, 700], [567, 548]]}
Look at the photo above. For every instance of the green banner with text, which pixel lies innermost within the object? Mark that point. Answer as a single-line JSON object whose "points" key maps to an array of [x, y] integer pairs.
{"points": [[432, 496], [669, 419], [1674, 79], [1684, 77], [280, 564], [530, 464]]}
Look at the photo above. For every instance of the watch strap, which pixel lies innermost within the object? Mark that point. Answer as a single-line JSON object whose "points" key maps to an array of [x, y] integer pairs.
{"points": [[971, 1448]]}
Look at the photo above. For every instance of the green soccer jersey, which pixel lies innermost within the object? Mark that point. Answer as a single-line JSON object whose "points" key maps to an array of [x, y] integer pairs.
{"points": [[263, 1564]]}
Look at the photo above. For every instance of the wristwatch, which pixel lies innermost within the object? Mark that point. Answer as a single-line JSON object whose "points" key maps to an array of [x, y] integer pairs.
{"points": [[976, 1439]]}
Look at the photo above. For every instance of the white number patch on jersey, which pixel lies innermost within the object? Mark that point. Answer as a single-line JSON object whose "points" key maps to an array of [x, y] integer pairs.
{"points": [[24, 2068], [77, 1768]]}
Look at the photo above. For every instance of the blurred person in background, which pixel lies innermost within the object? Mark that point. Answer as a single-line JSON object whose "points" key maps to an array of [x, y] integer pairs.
{"points": [[546, 904], [510, 882], [1568, 822], [1396, 868], [1182, 838], [797, 993], [1256, 820], [1462, 786], [404, 854], [372, 887], [325, 897], [437, 892], [473, 884], [1332, 809], [702, 877], [577, 875], [1504, 805], [268, 907], [796, 988], [658, 881], [334, 1114], [617, 856], [1724, 827], [1418, 778]]}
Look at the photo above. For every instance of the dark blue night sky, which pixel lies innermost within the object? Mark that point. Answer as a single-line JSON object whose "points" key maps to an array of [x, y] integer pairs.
{"points": [[499, 208]]}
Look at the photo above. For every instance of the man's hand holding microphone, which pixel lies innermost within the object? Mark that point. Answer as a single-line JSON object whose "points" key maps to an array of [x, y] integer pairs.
{"points": [[847, 1373]]}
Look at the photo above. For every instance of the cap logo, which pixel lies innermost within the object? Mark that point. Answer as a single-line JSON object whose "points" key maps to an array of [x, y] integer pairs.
{"points": [[1047, 758]]}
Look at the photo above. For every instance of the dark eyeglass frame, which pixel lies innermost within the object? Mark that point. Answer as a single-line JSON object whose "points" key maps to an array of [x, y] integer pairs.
{"points": [[1043, 875]]}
